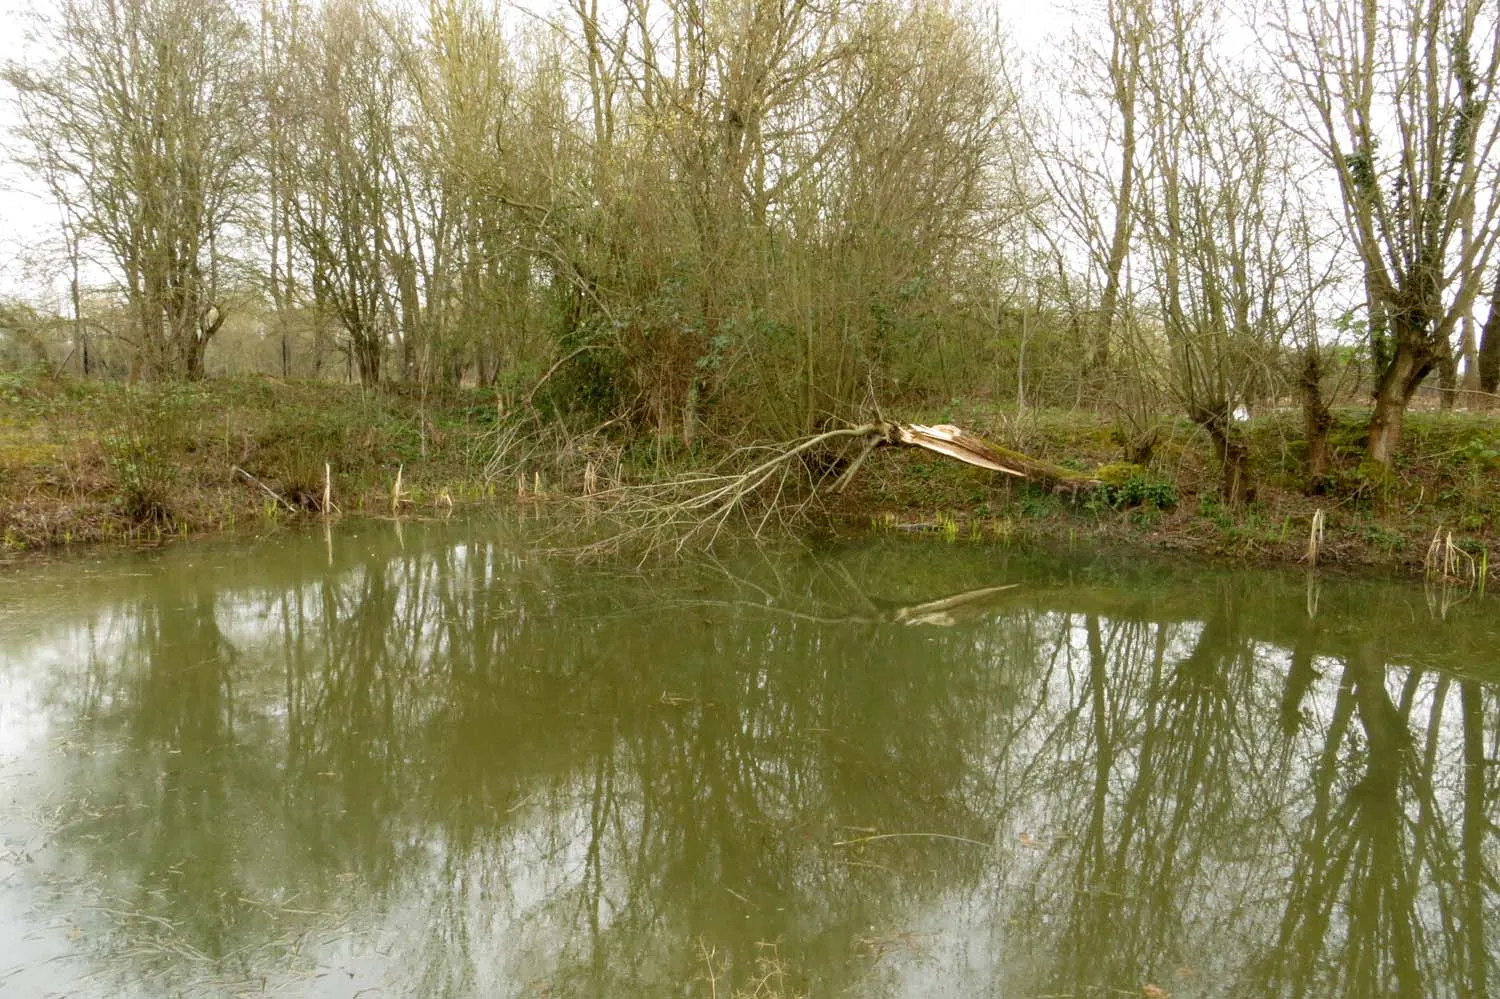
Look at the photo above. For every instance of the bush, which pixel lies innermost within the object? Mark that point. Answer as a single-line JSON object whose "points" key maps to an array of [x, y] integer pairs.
{"points": [[1143, 490], [143, 430]]}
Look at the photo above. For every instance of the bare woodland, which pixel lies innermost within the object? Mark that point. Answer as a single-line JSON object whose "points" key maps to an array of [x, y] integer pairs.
{"points": [[755, 219]]}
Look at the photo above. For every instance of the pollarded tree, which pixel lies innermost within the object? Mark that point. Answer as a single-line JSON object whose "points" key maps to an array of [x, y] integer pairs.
{"points": [[141, 125], [1403, 104]]}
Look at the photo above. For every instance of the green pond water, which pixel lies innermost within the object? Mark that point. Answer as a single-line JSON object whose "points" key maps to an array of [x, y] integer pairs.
{"points": [[419, 761]]}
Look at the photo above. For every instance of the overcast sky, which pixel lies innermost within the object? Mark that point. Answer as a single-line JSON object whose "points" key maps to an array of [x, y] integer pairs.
{"points": [[25, 214]]}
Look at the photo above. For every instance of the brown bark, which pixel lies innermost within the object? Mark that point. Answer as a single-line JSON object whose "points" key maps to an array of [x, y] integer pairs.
{"points": [[1489, 344], [1236, 485], [1398, 384], [1316, 421]]}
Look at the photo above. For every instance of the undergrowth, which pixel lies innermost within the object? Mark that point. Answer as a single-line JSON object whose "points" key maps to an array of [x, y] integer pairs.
{"points": [[90, 461]]}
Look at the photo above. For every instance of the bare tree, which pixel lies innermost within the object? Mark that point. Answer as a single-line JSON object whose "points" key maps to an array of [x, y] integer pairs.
{"points": [[1091, 154], [141, 126], [343, 130], [1401, 100], [457, 248], [280, 25], [1219, 213]]}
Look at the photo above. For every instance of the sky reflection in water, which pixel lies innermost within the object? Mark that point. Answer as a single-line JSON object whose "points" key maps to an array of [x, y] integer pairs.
{"points": [[421, 762]]}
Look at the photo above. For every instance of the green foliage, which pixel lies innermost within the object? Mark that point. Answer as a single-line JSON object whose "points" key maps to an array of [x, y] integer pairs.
{"points": [[1037, 505], [1482, 451], [588, 389], [1386, 539], [1211, 508], [1142, 489], [144, 431]]}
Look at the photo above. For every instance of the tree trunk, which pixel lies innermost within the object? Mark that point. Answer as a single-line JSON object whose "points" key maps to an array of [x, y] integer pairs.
{"points": [[1125, 69], [367, 358], [1447, 366], [1489, 345], [1316, 421], [1236, 486], [1467, 348], [196, 338], [1409, 365], [1469, 351], [192, 361]]}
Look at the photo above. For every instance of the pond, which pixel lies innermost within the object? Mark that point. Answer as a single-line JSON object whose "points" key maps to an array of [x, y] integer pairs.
{"points": [[416, 760]]}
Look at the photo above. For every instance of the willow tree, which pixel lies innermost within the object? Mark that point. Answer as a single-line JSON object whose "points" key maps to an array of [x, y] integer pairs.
{"points": [[1403, 105], [705, 119], [919, 182], [140, 120], [759, 208]]}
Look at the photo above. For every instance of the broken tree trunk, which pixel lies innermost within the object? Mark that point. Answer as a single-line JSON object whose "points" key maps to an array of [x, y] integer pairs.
{"points": [[955, 442], [777, 484]]}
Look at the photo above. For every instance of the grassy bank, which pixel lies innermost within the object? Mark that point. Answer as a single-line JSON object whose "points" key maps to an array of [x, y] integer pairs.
{"points": [[1447, 479], [86, 461]]}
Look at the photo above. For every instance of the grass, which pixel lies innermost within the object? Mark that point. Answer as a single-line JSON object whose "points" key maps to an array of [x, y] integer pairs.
{"points": [[87, 461], [1443, 479]]}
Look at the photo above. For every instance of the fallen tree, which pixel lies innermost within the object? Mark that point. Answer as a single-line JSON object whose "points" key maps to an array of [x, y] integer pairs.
{"points": [[775, 486]]}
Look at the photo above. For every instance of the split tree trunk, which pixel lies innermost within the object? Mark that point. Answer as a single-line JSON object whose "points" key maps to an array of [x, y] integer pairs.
{"points": [[1235, 483]]}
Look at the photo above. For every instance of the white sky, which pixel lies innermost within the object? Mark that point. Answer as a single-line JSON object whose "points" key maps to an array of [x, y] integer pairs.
{"points": [[27, 215]]}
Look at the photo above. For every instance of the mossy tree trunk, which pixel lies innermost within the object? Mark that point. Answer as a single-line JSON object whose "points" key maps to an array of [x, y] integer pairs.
{"points": [[1404, 117], [1317, 420], [1412, 361]]}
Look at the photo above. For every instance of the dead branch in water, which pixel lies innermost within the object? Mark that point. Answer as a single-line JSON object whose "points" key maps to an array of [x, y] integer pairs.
{"points": [[775, 485], [695, 508]]}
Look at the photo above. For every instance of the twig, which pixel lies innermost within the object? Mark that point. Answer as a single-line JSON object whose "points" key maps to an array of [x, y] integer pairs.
{"points": [[557, 364], [848, 476], [269, 491], [911, 835]]}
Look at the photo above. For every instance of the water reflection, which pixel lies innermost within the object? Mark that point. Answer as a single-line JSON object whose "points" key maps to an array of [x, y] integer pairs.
{"points": [[430, 766]]}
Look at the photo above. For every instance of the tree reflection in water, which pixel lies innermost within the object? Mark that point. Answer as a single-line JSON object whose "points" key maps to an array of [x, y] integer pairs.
{"points": [[442, 767]]}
